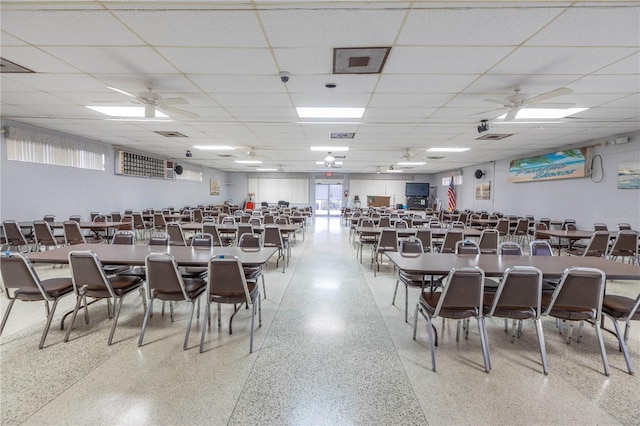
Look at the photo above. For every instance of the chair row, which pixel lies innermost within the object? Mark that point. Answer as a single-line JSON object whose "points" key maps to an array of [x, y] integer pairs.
{"points": [[578, 297], [225, 282]]}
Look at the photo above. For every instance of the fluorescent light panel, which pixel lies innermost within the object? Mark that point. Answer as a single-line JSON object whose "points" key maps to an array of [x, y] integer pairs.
{"points": [[248, 161], [542, 113], [448, 149], [330, 148], [120, 111], [214, 147], [329, 112], [395, 171], [411, 163]]}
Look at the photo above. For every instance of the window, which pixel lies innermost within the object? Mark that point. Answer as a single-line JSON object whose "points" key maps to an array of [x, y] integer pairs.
{"points": [[190, 174], [457, 180], [295, 191], [22, 147]]}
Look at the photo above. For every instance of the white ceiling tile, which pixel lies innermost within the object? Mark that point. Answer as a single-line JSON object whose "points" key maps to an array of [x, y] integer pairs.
{"points": [[434, 83], [71, 28], [443, 60], [220, 61], [31, 98], [205, 27], [477, 25], [239, 83], [331, 27], [311, 60], [36, 60], [611, 25], [107, 60], [256, 100], [629, 83], [409, 114], [358, 83], [628, 65], [59, 82], [559, 60], [503, 85], [251, 113], [330, 99], [409, 100], [6, 40]]}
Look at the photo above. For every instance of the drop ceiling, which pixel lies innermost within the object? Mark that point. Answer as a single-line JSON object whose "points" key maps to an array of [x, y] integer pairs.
{"points": [[225, 59]]}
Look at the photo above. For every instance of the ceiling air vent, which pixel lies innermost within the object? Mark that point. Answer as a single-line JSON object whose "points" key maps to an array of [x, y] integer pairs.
{"points": [[493, 137], [435, 158], [227, 156], [359, 60], [170, 134], [342, 135], [10, 67]]}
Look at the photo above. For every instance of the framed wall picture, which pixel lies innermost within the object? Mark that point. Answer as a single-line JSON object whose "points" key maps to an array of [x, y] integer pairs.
{"points": [[214, 187], [629, 175], [483, 190]]}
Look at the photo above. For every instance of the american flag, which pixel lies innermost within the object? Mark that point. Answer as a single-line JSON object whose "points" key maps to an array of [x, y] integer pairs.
{"points": [[451, 193]]}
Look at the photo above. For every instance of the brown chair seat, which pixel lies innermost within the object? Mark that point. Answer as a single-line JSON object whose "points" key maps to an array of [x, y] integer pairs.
{"points": [[429, 301], [236, 297], [54, 287], [193, 288], [619, 306], [513, 312], [121, 284]]}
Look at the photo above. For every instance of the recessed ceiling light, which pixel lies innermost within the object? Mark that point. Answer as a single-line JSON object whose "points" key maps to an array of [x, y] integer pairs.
{"points": [[394, 171], [248, 161], [321, 163], [120, 111], [214, 147], [266, 170], [412, 163], [448, 149], [329, 112], [330, 148], [542, 113]]}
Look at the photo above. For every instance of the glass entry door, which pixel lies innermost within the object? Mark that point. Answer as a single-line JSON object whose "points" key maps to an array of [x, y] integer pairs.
{"points": [[328, 199]]}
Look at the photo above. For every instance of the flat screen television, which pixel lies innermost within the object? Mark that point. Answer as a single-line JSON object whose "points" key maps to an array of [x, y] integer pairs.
{"points": [[416, 189]]}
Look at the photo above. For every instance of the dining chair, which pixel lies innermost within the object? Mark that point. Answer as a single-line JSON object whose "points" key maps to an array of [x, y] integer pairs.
{"points": [[273, 238], [90, 280], [518, 298], [578, 297], [460, 299], [14, 236], [176, 235], [451, 237], [164, 282], [388, 242], [366, 237], [212, 229], [253, 242], [597, 246], [227, 284], [489, 240], [411, 247], [622, 308], [467, 247], [510, 248], [625, 246], [424, 235], [21, 282], [44, 236]]}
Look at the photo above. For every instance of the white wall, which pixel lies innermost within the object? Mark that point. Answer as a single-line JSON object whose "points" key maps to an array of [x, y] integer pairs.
{"points": [[581, 199], [29, 190]]}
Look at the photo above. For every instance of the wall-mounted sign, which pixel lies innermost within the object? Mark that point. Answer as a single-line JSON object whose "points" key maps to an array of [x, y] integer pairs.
{"points": [[559, 165]]}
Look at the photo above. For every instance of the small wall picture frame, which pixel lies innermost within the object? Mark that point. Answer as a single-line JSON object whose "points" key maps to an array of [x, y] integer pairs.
{"points": [[214, 187], [483, 190]]}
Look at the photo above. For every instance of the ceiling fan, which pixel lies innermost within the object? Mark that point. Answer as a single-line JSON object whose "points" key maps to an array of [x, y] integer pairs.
{"points": [[517, 101], [152, 101]]}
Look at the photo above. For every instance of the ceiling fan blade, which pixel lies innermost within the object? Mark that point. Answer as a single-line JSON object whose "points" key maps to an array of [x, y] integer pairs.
{"points": [[149, 111], [552, 94], [553, 106], [512, 114], [496, 101], [172, 101], [486, 112], [115, 89], [178, 111]]}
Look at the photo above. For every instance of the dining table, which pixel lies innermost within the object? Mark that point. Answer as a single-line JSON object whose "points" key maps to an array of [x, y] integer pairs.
{"points": [[134, 255]]}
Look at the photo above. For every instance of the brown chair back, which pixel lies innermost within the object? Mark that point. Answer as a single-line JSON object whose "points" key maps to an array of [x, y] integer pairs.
{"points": [[72, 233]]}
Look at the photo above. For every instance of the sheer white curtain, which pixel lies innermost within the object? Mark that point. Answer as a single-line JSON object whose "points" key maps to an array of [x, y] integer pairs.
{"points": [[44, 153], [295, 191]]}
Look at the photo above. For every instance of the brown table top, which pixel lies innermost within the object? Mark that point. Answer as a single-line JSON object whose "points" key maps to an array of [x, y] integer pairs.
{"points": [[494, 266], [118, 254], [570, 234], [192, 226], [83, 225]]}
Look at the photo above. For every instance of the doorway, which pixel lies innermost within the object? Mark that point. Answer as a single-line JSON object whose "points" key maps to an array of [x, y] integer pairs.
{"points": [[328, 199]]}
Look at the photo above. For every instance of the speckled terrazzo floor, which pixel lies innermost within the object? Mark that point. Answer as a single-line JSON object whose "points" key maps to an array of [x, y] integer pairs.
{"points": [[332, 350]]}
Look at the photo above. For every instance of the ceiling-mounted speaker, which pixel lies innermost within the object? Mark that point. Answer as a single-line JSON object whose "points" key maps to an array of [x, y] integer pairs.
{"points": [[479, 174], [178, 169]]}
